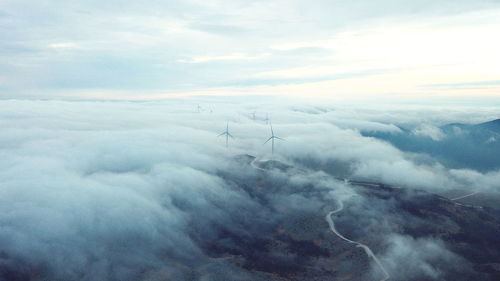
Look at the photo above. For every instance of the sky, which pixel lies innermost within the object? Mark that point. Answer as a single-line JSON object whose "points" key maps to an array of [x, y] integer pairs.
{"points": [[102, 180], [331, 49]]}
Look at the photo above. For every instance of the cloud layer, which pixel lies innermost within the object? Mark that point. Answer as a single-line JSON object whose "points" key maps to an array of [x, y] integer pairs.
{"points": [[52, 49], [136, 190]]}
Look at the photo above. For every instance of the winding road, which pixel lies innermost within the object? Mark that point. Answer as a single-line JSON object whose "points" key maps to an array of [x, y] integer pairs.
{"points": [[368, 251], [465, 196], [256, 159]]}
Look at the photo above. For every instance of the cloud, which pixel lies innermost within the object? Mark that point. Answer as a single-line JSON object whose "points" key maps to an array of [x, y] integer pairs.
{"points": [[429, 131], [413, 259], [269, 43], [483, 181], [465, 85], [136, 190], [62, 45], [230, 57]]}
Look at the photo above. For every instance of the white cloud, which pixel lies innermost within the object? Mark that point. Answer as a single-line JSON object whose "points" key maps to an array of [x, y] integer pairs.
{"points": [[409, 258], [119, 189], [230, 57], [364, 49], [430, 131], [63, 45]]}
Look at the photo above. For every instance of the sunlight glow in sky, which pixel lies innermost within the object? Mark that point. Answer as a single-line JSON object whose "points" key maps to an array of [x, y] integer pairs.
{"points": [[327, 49]]}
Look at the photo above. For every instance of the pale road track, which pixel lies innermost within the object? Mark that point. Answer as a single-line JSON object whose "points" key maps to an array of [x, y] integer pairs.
{"points": [[254, 165], [465, 196], [367, 249]]}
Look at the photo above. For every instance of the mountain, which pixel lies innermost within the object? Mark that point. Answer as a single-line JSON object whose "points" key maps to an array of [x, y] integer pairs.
{"points": [[493, 126], [294, 243], [473, 146], [490, 127]]}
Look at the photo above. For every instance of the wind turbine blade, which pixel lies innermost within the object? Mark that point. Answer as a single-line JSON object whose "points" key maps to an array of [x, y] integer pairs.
{"points": [[230, 135], [279, 138], [268, 139], [221, 134]]}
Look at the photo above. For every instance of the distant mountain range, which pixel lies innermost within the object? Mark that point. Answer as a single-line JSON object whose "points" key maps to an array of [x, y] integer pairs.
{"points": [[456, 145]]}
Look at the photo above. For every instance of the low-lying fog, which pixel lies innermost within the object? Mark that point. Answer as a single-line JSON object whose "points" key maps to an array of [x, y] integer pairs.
{"points": [[126, 190]]}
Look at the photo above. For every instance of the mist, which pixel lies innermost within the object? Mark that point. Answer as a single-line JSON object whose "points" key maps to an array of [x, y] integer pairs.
{"points": [[96, 190]]}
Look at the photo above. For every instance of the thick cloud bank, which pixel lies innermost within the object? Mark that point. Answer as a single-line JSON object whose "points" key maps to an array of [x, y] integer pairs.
{"points": [[143, 190]]}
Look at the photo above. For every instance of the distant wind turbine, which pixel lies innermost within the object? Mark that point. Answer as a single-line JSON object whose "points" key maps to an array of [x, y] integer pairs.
{"points": [[226, 133], [267, 118], [272, 139]]}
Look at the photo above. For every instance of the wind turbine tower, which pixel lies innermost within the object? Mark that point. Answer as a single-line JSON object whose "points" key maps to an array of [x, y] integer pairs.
{"points": [[272, 139], [267, 119], [227, 134]]}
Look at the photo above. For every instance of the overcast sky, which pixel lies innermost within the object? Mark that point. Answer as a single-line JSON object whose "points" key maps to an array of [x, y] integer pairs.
{"points": [[323, 48]]}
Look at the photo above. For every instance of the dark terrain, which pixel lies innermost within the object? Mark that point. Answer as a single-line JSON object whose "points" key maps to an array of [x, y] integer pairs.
{"points": [[279, 232], [296, 243]]}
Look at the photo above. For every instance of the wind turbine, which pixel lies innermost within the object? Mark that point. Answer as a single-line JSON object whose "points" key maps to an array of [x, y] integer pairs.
{"points": [[226, 133], [267, 118], [272, 139]]}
